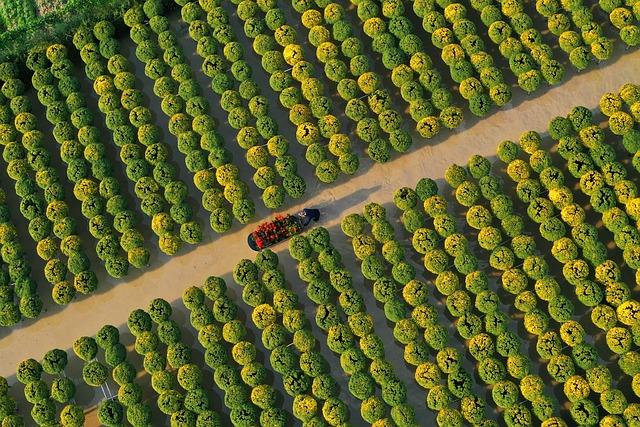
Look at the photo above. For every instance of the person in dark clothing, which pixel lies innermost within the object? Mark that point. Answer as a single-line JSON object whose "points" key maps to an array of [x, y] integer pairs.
{"points": [[307, 215]]}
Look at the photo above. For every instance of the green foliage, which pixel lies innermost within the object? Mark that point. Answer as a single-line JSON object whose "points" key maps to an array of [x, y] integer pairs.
{"points": [[30, 30]]}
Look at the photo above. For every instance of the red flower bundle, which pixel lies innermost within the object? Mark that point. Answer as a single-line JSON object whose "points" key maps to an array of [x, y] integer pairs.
{"points": [[282, 227]]}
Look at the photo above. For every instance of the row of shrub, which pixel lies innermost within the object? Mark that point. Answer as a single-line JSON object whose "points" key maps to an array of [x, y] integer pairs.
{"points": [[355, 81], [583, 355], [342, 314], [247, 109], [402, 52], [129, 403], [42, 198], [45, 397], [555, 323], [286, 333], [162, 195], [189, 120], [415, 321], [8, 412], [583, 250], [578, 35], [177, 381], [624, 17], [293, 78], [456, 37], [234, 359], [111, 224], [519, 42], [18, 290]]}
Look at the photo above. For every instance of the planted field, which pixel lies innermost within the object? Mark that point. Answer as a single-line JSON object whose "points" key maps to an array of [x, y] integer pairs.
{"points": [[129, 168], [509, 291]]}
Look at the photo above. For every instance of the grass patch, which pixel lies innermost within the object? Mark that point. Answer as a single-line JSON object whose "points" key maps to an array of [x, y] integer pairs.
{"points": [[44, 7], [16, 14], [24, 30]]}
